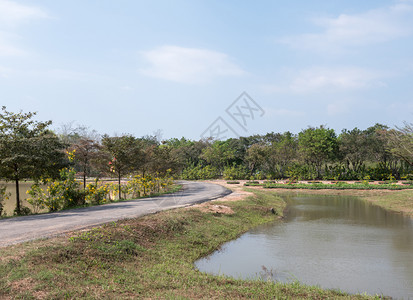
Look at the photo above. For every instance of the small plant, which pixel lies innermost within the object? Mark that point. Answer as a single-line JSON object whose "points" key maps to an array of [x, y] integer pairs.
{"points": [[3, 196], [24, 211], [232, 182]]}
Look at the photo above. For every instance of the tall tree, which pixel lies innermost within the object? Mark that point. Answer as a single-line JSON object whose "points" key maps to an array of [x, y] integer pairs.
{"points": [[87, 150], [219, 154], [282, 152], [27, 149], [354, 148], [124, 154], [318, 145], [400, 142]]}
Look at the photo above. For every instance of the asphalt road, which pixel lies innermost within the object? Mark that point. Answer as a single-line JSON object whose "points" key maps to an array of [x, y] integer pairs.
{"points": [[21, 229]]}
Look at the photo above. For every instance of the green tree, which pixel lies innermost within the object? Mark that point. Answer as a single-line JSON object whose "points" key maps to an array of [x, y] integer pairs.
{"points": [[219, 154], [354, 148], [318, 145], [27, 149], [281, 153], [256, 157], [162, 160]]}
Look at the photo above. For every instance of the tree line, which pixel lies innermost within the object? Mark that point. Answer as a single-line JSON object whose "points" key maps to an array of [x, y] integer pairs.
{"points": [[29, 149]]}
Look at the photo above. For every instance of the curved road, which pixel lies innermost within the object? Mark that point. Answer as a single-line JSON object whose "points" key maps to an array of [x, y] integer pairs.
{"points": [[21, 229]]}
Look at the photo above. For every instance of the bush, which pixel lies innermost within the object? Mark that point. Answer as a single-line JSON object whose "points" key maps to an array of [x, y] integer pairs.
{"points": [[199, 172], [24, 211], [3, 196], [235, 172]]}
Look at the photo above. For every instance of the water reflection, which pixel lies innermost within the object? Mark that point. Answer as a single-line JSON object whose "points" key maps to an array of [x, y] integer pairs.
{"points": [[334, 242]]}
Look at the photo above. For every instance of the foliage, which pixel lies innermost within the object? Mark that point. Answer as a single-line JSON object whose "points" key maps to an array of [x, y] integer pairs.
{"points": [[124, 155], [200, 172], [338, 186], [400, 142], [4, 195], [96, 193], [317, 146], [147, 185], [235, 172], [27, 149], [219, 154], [66, 192]]}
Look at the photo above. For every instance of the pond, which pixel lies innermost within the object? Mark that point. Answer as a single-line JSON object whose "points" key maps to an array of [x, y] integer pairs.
{"points": [[334, 242]]}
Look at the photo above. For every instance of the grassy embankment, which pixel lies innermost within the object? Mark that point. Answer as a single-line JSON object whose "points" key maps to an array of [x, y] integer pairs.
{"points": [[395, 200], [149, 257]]}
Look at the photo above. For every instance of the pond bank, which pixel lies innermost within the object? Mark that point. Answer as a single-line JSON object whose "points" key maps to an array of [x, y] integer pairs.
{"points": [[400, 201], [149, 257]]}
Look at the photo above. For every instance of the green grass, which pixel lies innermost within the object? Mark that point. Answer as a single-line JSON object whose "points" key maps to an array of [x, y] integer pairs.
{"points": [[233, 182], [147, 257], [400, 201], [335, 186]]}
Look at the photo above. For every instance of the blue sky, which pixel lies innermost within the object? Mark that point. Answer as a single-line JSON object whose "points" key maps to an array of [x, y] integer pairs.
{"points": [[138, 66]]}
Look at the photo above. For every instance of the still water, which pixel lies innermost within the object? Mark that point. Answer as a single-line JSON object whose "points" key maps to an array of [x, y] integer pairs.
{"points": [[334, 242]]}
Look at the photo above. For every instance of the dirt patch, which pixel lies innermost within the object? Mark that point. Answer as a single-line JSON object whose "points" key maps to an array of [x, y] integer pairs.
{"points": [[23, 284], [211, 208], [8, 258], [238, 192]]}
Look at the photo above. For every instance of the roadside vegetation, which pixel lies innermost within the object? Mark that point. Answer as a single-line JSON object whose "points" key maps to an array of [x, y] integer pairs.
{"points": [[147, 257], [30, 150]]}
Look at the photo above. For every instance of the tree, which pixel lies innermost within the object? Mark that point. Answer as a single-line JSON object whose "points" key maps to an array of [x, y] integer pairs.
{"points": [[256, 156], [27, 149], [317, 146], [400, 142], [354, 148], [282, 152], [124, 153], [87, 150], [162, 160], [219, 154]]}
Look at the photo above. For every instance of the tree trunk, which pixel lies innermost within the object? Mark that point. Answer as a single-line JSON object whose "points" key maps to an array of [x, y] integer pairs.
{"points": [[17, 196], [120, 193], [84, 180]]}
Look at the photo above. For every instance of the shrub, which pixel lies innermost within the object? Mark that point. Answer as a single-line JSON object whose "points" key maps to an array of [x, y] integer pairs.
{"points": [[3, 196], [235, 172], [199, 172]]}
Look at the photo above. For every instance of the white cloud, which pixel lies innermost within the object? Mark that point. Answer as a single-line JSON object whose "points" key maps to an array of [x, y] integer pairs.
{"points": [[13, 14], [188, 65], [322, 79], [346, 31]]}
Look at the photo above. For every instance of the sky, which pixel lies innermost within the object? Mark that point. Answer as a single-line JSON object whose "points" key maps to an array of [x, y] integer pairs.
{"points": [[202, 68]]}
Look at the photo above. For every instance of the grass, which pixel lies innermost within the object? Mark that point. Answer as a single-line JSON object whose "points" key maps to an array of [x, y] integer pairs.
{"points": [[147, 257], [401, 201], [334, 186], [233, 182]]}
